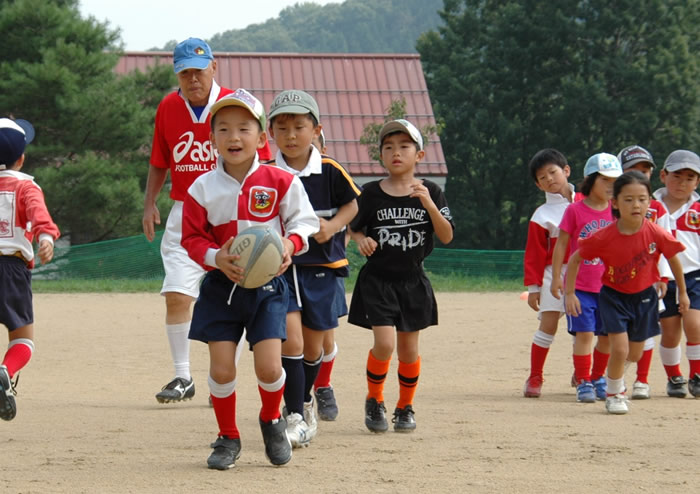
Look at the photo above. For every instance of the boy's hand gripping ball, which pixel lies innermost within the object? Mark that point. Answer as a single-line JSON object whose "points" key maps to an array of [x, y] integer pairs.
{"points": [[261, 250]]}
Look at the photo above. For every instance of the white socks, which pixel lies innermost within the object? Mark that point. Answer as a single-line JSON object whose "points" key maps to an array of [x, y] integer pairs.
{"points": [[180, 348]]}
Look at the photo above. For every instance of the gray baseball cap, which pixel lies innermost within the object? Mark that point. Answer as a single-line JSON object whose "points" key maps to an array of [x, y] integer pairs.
{"points": [[404, 126], [295, 102], [682, 159]]}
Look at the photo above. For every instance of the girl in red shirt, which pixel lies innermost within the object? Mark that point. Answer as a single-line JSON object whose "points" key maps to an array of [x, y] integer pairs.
{"points": [[630, 249]]}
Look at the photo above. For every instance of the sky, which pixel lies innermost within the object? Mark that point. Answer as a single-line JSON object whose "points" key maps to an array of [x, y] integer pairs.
{"points": [[147, 24]]}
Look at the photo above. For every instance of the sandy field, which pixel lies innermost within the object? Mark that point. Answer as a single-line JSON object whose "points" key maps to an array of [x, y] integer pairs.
{"points": [[88, 421]]}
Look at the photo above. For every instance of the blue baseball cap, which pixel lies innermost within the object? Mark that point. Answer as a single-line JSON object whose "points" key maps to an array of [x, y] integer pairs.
{"points": [[14, 137], [603, 163], [193, 53]]}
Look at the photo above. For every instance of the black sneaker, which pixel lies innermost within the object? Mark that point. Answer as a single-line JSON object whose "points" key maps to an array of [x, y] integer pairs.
{"points": [[278, 449], [8, 406], [178, 389], [326, 405], [677, 387], [404, 420], [694, 386], [375, 418], [226, 452]]}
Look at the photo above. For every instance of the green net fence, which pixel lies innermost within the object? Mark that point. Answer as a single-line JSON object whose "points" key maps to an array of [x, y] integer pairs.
{"points": [[137, 258]]}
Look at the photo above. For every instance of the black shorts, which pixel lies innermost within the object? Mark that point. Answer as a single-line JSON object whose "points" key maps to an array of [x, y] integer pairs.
{"points": [[692, 286], [261, 311], [637, 314], [16, 308], [408, 304]]}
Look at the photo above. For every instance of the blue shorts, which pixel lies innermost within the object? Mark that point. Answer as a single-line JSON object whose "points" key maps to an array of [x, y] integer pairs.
{"points": [[318, 289], [589, 320], [637, 314], [261, 311], [16, 309], [341, 304], [692, 286]]}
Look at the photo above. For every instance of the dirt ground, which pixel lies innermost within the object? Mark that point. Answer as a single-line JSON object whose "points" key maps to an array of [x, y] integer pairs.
{"points": [[88, 421]]}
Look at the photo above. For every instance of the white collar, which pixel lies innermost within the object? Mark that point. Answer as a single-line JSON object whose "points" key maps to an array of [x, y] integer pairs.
{"points": [[558, 198], [313, 167]]}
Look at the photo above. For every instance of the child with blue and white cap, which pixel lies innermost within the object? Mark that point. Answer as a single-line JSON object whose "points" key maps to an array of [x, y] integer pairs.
{"points": [[581, 220], [23, 217]]}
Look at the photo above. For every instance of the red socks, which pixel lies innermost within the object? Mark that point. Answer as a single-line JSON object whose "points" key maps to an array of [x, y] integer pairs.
{"points": [[225, 411], [600, 363], [18, 355], [582, 367]]}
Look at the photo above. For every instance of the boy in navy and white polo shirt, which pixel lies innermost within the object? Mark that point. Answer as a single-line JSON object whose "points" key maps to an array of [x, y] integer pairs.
{"points": [[312, 279]]}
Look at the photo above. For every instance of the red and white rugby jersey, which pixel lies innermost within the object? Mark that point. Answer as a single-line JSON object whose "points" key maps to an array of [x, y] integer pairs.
{"points": [[217, 207], [684, 224], [181, 140], [23, 215], [542, 235]]}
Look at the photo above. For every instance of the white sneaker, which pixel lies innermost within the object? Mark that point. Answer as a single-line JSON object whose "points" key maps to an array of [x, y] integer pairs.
{"points": [[297, 431], [310, 418], [616, 404], [640, 391]]}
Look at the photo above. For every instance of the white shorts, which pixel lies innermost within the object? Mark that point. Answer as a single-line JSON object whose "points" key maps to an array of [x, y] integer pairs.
{"points": [[547, 301], [182, 274]]}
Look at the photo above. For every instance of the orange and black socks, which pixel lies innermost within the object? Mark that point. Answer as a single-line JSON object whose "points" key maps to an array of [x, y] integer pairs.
{"points": [[19, 352], [408, 382], [376, 375]]}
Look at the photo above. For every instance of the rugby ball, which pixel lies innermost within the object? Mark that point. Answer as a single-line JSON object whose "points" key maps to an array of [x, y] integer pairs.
{"points": [[261, 250]]}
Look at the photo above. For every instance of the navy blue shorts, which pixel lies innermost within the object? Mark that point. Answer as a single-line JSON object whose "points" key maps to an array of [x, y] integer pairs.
{"points": [[634, 313], [408, 304], [261, 311], [589, 320], [16, 308], [341, 303], [318, 290], [692, 286]]}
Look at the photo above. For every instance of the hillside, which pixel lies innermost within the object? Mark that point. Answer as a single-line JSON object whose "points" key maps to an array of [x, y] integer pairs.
{"points": [[354, 26]]}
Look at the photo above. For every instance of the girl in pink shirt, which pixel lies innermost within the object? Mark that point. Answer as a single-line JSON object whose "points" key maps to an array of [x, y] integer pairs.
{"points": [[581, 220]]}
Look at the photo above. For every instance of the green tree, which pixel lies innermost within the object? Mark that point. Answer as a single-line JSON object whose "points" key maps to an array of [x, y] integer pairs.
{"points": [[58, 74], [511, 77], [395, 110]]}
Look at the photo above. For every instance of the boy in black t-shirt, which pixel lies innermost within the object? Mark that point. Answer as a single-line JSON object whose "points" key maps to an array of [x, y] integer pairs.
{"points": [[394, 229]]}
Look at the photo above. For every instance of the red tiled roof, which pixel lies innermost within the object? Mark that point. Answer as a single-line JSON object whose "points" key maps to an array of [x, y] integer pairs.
{"points": [[352, 90]]}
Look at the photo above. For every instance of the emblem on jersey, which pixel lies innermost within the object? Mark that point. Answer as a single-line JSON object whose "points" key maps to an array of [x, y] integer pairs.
{"points": [[693, 219], [262, 201], [651, 215], [4, 227], [652, 248]]}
